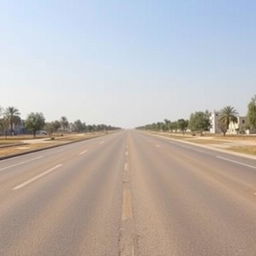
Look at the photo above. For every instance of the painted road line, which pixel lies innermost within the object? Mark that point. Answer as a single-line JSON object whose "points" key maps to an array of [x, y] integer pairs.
{"points": [[20, 163], [83, 152], [236, 162], [102, 142], [36, 177], [127, 205], [126, 173], [127, 230], [192, 148]]}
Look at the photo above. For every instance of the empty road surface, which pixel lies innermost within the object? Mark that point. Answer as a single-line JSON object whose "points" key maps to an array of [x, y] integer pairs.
{"points": [[128, 194]]}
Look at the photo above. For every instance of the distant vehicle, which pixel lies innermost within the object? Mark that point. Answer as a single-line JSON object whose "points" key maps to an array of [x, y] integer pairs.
{"points": [[41, 132]]}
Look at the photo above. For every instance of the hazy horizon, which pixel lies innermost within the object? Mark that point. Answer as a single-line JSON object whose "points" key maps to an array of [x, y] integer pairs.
{"points": [[126, 63]]}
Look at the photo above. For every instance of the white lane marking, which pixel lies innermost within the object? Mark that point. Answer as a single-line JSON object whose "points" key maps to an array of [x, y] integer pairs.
{"points": [[236, 162], [36, 177], [83, 152], [20, 163], [102, 142], [126, 166]]}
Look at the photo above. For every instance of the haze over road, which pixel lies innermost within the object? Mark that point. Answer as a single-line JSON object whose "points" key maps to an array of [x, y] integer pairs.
{"points": [[128, 193]]}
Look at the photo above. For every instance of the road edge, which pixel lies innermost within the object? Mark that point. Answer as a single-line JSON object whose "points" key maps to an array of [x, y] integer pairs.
{"points": [[49, 147], [206, 147]]}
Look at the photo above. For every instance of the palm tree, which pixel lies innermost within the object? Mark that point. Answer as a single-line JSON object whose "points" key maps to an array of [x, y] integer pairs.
{"points": [[227, 115], [13, 116]]}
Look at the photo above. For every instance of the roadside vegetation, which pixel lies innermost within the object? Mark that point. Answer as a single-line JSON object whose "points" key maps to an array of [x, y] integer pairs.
{"points": [[12, 125], [200, 122], [19, 135]]}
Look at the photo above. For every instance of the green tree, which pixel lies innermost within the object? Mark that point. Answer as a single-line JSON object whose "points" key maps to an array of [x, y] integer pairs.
{"points": [[12, 114], [35, 122], [56, 125], [227, 115], [79, 126], [251, 114], [49, 127], [4, 124], [199, 122], [182, 125], [167, 124], [174, 126], [64, 123]]}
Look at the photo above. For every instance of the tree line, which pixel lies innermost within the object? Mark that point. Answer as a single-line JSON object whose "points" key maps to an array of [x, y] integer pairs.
{"points": [[199, 121], [35, 122]]}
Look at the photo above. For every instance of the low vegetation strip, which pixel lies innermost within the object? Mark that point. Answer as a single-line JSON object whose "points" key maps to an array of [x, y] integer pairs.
{"points": [[27, 148]]}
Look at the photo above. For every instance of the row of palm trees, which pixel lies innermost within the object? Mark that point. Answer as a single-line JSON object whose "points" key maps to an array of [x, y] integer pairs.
{"points": [[11, 116], [199, 122]]}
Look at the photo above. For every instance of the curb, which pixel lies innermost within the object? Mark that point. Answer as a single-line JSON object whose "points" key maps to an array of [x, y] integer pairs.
{"points": [[50, 147], [13, 145], [207, 147]]}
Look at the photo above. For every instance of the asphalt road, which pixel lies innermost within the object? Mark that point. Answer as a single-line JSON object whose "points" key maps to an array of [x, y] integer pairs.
{"points": [[128, 194]]}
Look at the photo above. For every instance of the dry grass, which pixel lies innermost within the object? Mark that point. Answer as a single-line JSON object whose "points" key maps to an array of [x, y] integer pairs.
{"points": [[21, 137], [236, 137], [7, 142], [206, 141], [246, 149], [20, 149]]}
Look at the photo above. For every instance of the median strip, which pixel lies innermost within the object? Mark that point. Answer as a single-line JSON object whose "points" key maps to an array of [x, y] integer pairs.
{"points": [[36, 177]]}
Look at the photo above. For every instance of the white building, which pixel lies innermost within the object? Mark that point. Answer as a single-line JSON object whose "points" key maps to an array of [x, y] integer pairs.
{"points": [[234, 127], [214, 120], [238, 127]]}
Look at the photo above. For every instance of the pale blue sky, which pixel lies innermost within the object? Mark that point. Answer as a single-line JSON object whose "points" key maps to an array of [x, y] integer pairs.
{"points": [[126, 63]]}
